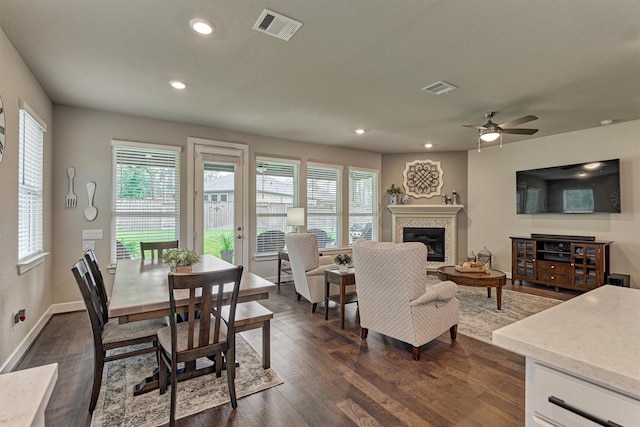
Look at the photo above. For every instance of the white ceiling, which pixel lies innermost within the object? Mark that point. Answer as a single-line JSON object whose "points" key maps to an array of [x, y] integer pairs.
{"points": [[354, 63]]}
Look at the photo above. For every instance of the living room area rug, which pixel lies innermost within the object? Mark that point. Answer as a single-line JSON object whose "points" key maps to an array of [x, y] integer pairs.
{"points": [[479, 316], [118, 407]]}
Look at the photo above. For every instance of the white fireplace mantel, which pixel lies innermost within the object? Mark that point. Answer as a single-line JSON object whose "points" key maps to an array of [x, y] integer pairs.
{"points": [[424, 209], [442, 216]]}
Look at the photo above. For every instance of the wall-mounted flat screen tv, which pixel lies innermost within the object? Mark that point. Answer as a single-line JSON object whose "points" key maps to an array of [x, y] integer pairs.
{"points": [[571, 189]]}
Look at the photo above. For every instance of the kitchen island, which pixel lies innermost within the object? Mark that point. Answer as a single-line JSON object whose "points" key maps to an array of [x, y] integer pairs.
{"points": [[582, 358]]}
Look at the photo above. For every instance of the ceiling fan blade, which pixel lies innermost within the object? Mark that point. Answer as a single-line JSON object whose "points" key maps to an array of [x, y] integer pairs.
{"points": [[519, 121], [520, 131], [474, 126]]}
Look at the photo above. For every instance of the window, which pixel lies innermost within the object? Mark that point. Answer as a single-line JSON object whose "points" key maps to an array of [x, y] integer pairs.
{"points": [[276, 191], [324, 204], [363, 204], [223, 197], [146, 196], [30, 184]]}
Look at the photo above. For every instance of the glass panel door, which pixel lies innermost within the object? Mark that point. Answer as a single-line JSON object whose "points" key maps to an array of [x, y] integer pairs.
{"points": [[219, 228]]}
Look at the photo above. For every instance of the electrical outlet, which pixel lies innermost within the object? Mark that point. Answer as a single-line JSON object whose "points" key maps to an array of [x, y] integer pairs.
{"points": [[88, 244], [92, 234]]}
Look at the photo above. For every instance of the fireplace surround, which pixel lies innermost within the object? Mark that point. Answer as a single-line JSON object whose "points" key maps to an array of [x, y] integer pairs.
{"points": [[428, 217]]}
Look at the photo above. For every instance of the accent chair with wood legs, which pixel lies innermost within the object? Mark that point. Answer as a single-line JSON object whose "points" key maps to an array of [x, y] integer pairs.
{"points": [[393, 295], [308, 268]]}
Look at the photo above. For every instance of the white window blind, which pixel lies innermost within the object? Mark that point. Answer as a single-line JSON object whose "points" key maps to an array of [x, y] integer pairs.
{"points": [[30, 185], [363, 205], [276, 191], [324, 204], [146, 197]]}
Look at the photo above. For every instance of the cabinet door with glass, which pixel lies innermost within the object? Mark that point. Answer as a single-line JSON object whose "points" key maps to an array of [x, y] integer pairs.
{"points": [[586, 263], [523, 261]]}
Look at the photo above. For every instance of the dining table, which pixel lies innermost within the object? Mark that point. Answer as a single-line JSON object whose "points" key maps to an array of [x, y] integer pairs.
{"points": [[141, 288], [141, 291]]}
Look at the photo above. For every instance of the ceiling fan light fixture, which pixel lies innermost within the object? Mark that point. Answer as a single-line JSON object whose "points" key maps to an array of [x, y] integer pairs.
{"points": [[489, 136]]}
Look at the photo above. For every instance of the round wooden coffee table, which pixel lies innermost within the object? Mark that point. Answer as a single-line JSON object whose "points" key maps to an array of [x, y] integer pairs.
{"points": [[492, 279]]}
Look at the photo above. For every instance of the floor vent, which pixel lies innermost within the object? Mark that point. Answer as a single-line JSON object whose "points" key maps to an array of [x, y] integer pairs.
{"points": [[276, 25], [438, 88]]}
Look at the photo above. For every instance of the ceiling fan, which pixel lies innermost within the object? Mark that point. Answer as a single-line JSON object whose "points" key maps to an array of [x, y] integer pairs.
{"points": [[490, 131]]}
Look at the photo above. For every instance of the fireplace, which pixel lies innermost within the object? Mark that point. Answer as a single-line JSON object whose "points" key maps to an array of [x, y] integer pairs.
{"points": [[433, 239], [416, 219]]}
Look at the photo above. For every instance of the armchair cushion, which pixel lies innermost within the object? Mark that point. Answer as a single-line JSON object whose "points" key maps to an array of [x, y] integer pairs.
{"points": [[326, 260], [440, 292]]}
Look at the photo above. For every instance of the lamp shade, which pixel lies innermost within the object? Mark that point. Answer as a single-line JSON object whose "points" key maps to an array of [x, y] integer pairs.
{"points": [[295, 216]]}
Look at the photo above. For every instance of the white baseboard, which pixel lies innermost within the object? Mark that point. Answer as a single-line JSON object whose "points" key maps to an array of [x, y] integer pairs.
{"points": [[17, 354]]}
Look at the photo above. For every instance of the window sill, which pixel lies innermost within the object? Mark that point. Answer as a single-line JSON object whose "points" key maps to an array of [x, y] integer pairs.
{"points": [[31, 262]]}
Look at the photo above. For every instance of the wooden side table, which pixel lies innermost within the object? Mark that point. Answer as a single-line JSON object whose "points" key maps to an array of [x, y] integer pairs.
{"points": [[342, 280], [282, 256]]}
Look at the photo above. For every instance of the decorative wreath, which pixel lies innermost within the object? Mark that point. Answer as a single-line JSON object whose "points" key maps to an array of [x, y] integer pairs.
{"points": [[423, 178]]}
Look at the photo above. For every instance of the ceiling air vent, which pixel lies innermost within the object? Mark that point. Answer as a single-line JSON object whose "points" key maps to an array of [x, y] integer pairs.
{"points": [[276, 25], [438, 88]]}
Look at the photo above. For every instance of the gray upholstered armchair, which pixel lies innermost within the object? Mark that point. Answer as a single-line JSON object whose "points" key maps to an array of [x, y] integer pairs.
{"points": [[393, 295], [308, 267]]}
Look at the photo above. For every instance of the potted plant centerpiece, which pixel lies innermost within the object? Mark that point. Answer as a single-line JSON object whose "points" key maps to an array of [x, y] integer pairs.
{"points": [[393, 193], [343, 261], [180, 260]]}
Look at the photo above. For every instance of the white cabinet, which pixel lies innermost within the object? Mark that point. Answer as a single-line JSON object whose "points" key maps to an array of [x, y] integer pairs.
{"points": [[554, 398]]}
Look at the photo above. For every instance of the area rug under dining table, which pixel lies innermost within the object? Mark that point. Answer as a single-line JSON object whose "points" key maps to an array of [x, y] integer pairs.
{"points": [[118, 407]]}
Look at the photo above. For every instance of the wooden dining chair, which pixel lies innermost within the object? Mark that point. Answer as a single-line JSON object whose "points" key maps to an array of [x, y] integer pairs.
{"points": [[156, 248], [109, 335], [94, 268], [204, 335]]}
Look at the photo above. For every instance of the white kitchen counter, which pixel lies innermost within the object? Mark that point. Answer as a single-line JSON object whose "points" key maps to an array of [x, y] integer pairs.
{"points": [[595, 335], [24, 395]]}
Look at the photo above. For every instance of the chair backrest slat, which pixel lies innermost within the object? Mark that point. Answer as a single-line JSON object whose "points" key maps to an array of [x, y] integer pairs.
{"points": [[91, 300], [156, 248], [206, 294], [94, 268]]}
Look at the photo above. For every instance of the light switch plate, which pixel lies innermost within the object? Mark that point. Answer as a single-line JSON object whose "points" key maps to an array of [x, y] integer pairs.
{"points": [[88, 244], [92, 234]]}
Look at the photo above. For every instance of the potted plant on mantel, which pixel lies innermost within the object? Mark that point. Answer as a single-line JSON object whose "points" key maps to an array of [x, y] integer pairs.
{"points": [[343, 261], [180, 260], [393, 193]]}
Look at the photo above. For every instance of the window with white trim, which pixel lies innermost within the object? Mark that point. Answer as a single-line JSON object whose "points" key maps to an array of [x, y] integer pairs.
{"points": [[276, 191], [324, 204], [145, 198], [30, 184], [363, 204]]}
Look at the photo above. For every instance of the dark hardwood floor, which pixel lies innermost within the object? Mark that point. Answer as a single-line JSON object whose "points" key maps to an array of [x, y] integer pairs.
{"points": [[331, 377]]}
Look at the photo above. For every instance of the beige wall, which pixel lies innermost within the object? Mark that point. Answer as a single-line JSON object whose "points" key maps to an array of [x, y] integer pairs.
{"points": [[454, 167], [83, 139], [492, 206], [32, 290]]}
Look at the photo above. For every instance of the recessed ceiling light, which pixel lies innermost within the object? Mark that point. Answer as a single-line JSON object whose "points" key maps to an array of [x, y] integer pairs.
{"points": [[201, 26], [359, 131], [177, 84], [428, 145]]}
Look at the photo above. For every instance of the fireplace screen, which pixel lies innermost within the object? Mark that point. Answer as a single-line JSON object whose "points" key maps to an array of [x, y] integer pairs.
{"points": [[433, 238]]}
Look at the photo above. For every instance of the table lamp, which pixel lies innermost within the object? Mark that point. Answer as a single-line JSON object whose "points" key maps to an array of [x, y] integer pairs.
{"points": [[295, 217]]}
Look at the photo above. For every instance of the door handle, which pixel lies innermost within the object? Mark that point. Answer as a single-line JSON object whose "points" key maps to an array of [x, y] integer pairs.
{"points": [[239, 236]]}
